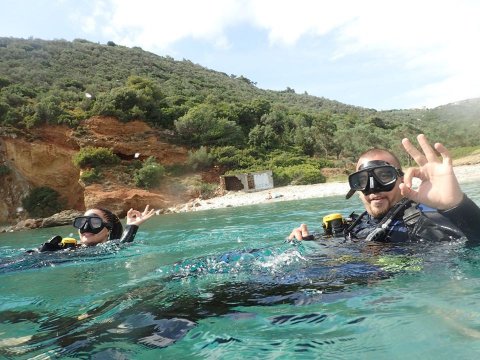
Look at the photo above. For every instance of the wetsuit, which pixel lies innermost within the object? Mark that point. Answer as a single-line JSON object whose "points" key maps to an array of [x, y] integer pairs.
{"points": [[416, 222], [55, 243]]}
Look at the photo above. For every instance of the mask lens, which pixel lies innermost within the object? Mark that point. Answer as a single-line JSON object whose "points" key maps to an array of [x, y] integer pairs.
{"points": [[385, 175], [91, 224], [96, 223], [358, 180], [79, 222]]}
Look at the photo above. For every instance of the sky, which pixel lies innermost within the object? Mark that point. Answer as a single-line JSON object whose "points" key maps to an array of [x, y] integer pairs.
{"points": [[380, 54]]}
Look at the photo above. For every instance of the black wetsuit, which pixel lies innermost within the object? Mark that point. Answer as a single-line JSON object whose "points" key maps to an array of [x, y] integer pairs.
{"points": [[55, 243], [419, 223]]}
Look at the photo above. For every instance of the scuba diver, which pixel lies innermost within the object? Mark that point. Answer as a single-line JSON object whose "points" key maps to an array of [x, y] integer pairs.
{"points": [[98, 226], [394, 211]]}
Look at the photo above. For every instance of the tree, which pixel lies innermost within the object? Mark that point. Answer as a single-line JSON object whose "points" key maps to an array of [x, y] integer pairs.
{"points": [[201, 126], [139, 99]]}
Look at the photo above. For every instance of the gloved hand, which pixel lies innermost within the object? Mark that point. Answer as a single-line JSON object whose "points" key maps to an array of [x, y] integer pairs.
{"points": [[53, 244]]}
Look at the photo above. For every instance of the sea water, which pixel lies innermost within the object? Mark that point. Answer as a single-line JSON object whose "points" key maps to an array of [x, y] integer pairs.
{"points": [[224, 283]]}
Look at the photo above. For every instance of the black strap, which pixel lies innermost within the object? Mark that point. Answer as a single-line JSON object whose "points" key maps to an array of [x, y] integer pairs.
{"points": [[380, 231], [347, 233]]}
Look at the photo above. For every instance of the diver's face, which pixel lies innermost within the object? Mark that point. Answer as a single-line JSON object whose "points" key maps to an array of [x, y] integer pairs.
{"points": [[91, 239], [378, 204]]}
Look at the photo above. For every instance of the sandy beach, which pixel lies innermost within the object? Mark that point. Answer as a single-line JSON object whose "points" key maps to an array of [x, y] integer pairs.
{"points": [[465, 173]]}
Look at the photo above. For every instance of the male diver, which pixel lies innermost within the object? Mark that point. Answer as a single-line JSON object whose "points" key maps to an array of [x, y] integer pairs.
{"points": [[395, 212]]}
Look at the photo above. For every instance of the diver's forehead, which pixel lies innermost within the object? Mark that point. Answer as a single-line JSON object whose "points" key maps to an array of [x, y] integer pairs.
{"points": [[94, 213], [371, 161], [372, 164]]}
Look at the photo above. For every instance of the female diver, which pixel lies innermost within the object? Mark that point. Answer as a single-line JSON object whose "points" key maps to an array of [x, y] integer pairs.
{"points": [[98, 226]]}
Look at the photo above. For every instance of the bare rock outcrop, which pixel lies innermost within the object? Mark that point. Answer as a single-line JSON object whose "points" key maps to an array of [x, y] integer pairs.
{"points": [[43, 157]]}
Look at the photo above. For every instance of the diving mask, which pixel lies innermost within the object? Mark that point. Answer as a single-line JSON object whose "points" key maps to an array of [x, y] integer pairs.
{"points": [[92, 224], [372, 177]]}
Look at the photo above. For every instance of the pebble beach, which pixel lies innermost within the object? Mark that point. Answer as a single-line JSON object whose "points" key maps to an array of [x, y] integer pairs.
{"points": [[465, 173]]}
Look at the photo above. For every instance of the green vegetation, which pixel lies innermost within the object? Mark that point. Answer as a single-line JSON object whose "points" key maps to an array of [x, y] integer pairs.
{"points": [[199, 159], [90, 157], [42, 202], [150, 174], [225, 120], [4, 170], [90, 176], [464, 151], [297, 175]]}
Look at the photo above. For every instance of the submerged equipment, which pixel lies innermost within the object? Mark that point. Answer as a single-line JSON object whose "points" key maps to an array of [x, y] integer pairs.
{"points": [[92, 224], [372, 177]]}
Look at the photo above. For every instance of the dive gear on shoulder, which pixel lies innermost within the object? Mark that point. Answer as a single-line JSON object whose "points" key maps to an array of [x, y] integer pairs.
{"points": [[68, 243], [430, 226], [333, 224], [380, 231], [58, 243]]}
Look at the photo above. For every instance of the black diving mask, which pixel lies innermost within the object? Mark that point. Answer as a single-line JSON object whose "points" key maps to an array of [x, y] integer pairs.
{"points": [[372, 177], [92, 224]]}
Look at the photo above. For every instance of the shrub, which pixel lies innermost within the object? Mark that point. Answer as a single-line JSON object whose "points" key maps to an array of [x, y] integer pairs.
{"points": [[196, 187], [200, 159], [230, 157], [92, 156], [150, 174], [297, 175], [4, 170], [90, 176], [177, 169], [42, 202], [286, 159], [207, 190]]}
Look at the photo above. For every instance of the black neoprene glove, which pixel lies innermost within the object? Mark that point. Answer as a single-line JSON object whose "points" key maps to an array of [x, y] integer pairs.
{"points": [[52, 245]]}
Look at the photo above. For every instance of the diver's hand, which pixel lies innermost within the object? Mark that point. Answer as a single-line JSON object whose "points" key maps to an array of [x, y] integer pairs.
{"points": [[298, 233], [439, 188], [52, 245], [135, 217]]}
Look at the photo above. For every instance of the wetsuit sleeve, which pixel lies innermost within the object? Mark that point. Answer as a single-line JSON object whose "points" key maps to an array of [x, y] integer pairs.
{"points": [[466, 216], [129, 233]]}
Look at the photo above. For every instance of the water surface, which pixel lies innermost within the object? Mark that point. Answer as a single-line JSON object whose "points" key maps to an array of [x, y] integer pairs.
{"points": [[224, 284]]}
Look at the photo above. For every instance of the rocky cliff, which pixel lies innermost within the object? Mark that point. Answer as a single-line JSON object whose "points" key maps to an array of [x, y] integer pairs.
{"points": [[43, 157]]}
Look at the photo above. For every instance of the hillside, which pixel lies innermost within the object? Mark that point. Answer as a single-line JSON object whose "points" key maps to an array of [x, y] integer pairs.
{"points": [[59, 97]]}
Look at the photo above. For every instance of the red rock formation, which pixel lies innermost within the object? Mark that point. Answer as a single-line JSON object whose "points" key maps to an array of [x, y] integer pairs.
{"points": [[43, 157]]}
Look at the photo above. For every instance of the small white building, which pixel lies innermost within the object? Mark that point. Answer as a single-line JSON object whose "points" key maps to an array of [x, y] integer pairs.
{"points": [[261, 180]]}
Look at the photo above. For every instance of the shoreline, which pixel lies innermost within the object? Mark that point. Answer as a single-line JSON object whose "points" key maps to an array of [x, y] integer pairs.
{"points": [[464, 173]]}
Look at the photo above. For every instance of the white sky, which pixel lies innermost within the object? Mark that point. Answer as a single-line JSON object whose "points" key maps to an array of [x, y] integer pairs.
{"points": [[374, 53]]}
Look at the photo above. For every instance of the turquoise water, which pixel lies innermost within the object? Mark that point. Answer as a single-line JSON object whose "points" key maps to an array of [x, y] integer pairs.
{"points": [[223, 284]]}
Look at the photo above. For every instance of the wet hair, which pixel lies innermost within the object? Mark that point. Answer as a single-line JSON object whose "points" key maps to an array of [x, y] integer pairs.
{"points": [[114, 221], [378, 151]]}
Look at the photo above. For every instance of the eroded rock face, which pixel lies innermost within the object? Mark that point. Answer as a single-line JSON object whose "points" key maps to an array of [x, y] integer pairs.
{"points": [[120, 199], [43, 157], [41, 163], [128, 139]]}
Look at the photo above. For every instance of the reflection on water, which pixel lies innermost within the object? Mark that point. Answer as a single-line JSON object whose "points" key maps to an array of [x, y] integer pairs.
{"points": [[224, 283]]}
